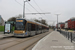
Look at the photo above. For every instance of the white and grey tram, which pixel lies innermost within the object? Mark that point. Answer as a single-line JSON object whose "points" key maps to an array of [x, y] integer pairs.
{"points": [[24, 27]]}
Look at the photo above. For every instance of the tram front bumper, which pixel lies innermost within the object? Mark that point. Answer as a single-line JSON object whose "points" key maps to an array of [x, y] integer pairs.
{"points": [[19, 35]]}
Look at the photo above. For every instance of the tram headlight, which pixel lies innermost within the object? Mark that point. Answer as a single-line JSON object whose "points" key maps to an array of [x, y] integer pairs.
{"points": [[23, 31]]}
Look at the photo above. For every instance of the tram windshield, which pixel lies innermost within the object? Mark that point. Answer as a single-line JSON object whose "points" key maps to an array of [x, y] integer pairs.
{"points": [[20, 26]]}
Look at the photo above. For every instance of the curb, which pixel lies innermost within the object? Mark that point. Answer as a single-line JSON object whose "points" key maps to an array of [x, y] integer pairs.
{"points": [[6, 36]]}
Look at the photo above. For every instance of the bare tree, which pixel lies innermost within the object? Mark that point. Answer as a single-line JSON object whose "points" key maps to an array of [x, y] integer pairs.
{"points": [[14, 18], [19, 16], [42, 21], [37, 20]]}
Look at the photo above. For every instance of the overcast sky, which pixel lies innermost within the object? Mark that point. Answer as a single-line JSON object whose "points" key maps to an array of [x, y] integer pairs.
{"points": [[66, 9]]}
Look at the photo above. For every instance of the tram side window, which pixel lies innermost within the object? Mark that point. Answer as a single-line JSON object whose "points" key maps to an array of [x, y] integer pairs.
{"points": [[39, 27], [29, 26], [46, 28], [43, 27], [36, 27], [32, 27]]}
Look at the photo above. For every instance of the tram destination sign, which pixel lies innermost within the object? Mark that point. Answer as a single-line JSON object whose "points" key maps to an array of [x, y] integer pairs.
{"points": [[19, 20]]}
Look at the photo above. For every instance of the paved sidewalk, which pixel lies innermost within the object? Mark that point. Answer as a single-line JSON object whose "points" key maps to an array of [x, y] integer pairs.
{"points": [[2, 35], [54, 41], [1, 32]]}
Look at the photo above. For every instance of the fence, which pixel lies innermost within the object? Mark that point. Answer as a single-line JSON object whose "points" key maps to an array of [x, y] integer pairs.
{"points": [[69, 35]]}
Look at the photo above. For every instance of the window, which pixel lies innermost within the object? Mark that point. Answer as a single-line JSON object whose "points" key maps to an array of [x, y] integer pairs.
{"points": [[32, 27], [40, 27], [19, 26], [37, 27], [29, 26], [43, 27]]}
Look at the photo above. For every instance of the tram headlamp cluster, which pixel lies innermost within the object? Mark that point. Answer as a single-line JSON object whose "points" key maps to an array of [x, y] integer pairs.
{"points": [[23, 31]]}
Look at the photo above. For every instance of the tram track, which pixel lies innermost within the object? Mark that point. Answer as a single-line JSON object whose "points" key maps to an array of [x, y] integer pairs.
{"points": [[33, 43], [24, 40], [13, 40], [27, 41], [19, 41], [9, 41], [30, 45]]}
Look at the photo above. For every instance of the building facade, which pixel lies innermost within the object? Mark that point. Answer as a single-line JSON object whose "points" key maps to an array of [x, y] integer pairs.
{"points": [[66, 25], [71, 23], [61, 25], [1, 21]]}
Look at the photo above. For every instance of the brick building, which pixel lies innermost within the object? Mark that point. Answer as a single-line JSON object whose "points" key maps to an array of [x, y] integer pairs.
{"points": [[61, 25], [71, 23]]}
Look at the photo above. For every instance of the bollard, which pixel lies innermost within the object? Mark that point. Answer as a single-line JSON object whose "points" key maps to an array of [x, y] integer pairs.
{"points": [[60, 31], [68, 35], [71, 36], [64, 33]]}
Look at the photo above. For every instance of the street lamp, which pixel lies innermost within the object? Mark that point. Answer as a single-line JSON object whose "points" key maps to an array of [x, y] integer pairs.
{"points": [[57, 20], [24, 8]]}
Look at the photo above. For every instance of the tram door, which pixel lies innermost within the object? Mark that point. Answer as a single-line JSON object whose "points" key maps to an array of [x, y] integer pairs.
{"points": [[29, 28]]}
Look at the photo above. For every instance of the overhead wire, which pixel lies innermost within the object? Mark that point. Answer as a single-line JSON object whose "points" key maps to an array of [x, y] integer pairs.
{"points": [[38, 6], [34, 8], [18, 3], [22, 5]]}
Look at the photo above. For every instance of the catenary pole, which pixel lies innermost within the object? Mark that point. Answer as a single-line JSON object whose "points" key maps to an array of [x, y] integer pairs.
{"points": [[24, 7]]}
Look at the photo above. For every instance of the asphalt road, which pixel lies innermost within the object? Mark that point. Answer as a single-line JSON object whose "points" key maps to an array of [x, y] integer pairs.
{"points": [[21, 43]]}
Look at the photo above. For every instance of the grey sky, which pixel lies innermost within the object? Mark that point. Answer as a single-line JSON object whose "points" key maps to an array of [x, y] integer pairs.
{"points": [[10, 8]]}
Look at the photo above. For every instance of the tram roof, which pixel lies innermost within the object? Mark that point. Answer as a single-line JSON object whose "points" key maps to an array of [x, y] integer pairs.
{"points": [[35, 22]]}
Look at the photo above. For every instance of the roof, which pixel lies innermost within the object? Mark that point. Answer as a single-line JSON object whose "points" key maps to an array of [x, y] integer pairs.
{"points": [[72, 18], [35, 22], [66, 21], [61, 23]]}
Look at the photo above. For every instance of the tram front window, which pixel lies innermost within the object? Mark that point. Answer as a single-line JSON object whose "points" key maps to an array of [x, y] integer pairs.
{"points": [[19, 26]]}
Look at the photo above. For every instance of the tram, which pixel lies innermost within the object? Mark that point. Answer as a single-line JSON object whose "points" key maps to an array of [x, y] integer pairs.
{"points": [[24, 27]]}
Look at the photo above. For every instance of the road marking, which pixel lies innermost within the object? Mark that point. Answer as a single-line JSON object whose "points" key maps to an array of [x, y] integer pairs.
{"points": [[34, 48]]}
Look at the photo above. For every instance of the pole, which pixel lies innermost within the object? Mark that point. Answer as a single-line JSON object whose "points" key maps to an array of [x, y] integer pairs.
{"points": [[68, 35], [57, 20], [71, 36], [24, 10]]}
